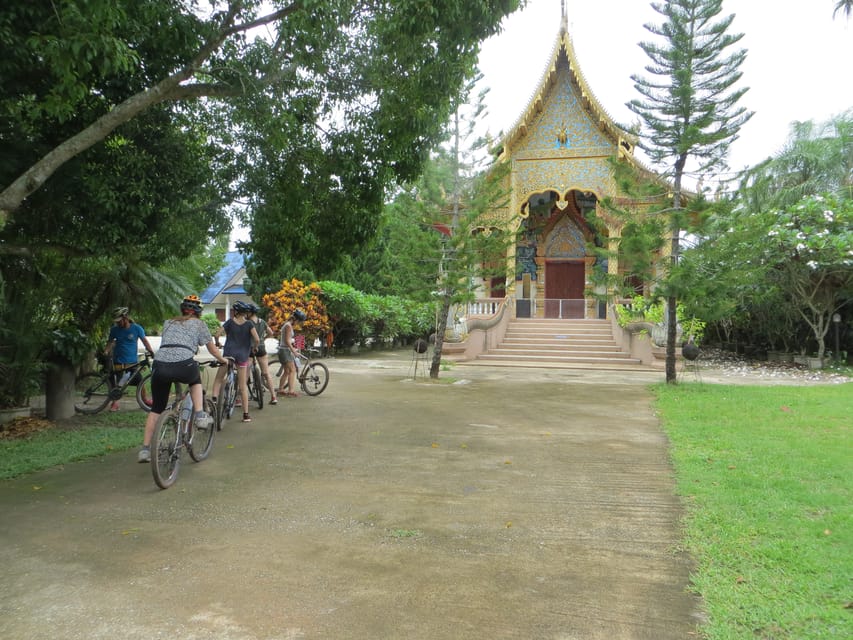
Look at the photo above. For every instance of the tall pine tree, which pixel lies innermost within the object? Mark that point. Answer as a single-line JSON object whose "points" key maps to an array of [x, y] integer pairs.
{"points": [[689, 108]]}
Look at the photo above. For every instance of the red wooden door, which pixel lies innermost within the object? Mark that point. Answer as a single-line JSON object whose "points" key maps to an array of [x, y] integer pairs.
{"points": [[564, 284]]}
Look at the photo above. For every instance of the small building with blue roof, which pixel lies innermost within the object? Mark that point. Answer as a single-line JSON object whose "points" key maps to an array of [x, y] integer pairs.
{"points": [[227, 287]]}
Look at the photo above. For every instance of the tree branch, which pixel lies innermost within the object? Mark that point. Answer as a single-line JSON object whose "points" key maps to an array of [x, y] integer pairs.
{"points": [[169, 88]]}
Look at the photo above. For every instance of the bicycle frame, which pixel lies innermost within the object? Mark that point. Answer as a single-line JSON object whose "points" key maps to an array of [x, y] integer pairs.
{"points": [[227, 394], [95, 390], [175, 431]]}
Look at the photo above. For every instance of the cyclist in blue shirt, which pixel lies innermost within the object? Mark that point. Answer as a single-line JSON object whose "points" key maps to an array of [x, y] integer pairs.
{"points": [[122, 344]]}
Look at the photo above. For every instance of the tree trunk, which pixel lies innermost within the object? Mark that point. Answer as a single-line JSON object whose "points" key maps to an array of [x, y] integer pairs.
{"points": [[440, 329], [671, 301], [59, 391]]}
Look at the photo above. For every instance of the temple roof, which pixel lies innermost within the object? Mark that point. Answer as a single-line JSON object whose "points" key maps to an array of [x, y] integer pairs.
{"points": [[625, 140]]}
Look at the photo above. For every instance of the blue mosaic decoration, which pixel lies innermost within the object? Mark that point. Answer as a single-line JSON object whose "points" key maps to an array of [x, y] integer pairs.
{"points": [[564, 123]]}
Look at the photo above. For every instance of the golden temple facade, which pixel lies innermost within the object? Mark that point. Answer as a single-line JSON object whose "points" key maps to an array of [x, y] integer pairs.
{"points": [[561, 153]]}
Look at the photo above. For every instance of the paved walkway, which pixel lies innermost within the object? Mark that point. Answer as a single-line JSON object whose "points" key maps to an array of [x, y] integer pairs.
{"points": [[516, 504]]}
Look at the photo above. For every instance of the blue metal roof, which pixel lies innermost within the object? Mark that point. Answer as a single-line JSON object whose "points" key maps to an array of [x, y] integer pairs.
{"points": [[233, 264]]}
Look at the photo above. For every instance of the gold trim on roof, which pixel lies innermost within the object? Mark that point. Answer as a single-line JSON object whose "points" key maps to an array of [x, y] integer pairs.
{"points": [[624, 140]]}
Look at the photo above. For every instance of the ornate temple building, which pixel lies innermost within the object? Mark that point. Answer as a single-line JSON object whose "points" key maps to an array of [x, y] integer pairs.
{"points": [[561, 153]]}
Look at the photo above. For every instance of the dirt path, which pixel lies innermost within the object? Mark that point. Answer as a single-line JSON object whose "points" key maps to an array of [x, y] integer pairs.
{"points": [[506, 504]]}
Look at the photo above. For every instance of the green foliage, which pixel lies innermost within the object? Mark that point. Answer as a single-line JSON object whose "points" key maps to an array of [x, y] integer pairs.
{"points": [[21, 343], [690, 108], [149, 175], [342, 301], [766, 474], [212, 322], [357, 316], [817, 159], [641, 309], [69, 344], [689, 111], [773, 264]]}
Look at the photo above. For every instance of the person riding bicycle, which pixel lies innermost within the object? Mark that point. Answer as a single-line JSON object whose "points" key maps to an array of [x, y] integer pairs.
{"points": [[175, 362], [287, 354], [241, 338], [122, 345], [264, 332]]}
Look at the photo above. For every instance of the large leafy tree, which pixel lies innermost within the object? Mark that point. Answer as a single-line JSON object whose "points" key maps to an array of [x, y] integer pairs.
{"points": [[128, 126], [366, 81], [817, 158], [335, 146], [688, 108], [777, 255], [470, 247]]}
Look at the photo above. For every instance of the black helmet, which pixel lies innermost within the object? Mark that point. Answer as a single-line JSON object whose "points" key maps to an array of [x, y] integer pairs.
{"points": [[253, 308], [299, 314], [119, 313], [241, 307], [191, 303]]}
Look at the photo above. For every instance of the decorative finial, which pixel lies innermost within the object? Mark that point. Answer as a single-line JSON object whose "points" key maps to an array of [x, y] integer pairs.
{"points": [[564, 18]]}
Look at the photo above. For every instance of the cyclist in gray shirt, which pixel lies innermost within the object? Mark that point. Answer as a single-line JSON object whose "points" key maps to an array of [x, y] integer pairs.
{"points": [[175, 362]]}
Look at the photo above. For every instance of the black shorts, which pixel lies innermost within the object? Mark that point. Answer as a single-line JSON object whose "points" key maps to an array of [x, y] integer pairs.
{"points": [[261, 351], [165, 374]]}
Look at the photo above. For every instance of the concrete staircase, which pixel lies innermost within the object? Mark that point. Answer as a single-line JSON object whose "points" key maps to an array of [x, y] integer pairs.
{"points": [[565, 344]]}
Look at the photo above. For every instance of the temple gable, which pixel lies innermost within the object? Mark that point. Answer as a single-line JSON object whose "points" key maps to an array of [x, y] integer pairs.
{"points": [[563, 123]]}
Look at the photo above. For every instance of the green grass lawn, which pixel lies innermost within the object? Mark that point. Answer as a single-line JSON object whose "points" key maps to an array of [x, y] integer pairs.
{"points": [[766, 476], [76, 439]]}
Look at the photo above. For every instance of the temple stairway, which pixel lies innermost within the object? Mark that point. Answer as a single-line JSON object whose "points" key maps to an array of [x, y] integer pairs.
{"points": [[565, 344]]}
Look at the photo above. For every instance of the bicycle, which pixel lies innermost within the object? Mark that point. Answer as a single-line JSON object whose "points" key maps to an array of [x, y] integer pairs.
{"points": [[227, 394], [313, 377], [176, 430], [255, 383], [93, 391]]}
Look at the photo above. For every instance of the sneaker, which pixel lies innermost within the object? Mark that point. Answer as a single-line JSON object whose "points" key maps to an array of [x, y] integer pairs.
{"points": [[114, 406], [203, 420], [247, 417], [144, 455]]}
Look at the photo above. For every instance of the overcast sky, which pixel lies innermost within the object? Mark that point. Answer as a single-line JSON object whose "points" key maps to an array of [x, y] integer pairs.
{"points": [[799, 64]]}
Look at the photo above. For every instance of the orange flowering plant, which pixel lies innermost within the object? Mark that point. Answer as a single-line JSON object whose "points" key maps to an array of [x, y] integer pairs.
{"points": [[295, 294]]}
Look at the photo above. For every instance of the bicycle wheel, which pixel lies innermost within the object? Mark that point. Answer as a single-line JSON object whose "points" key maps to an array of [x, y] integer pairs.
{"points": [[314, 378], [202, 441], [226, 402], [256, 386], [143, 393], [166, 450], [91, 393]]}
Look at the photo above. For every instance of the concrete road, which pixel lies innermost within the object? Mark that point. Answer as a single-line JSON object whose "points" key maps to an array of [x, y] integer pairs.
{"points": [[496, 503]]}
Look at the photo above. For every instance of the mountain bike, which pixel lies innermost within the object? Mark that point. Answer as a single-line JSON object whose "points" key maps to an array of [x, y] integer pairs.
{"points": [[255, 383], [227, 394], [176, 430], [93, 391], [313, 377]]}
